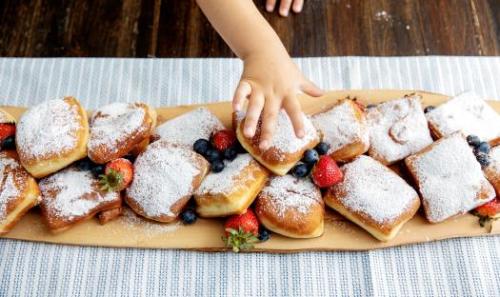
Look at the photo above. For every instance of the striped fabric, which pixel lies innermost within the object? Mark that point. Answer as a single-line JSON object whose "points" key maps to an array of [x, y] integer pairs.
{"points": [[458, 267]]}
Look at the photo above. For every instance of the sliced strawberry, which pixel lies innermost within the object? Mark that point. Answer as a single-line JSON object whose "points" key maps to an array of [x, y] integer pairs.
{"points": [[488, 211], [223, 139], [117, 176], [7, 130], [326, 173], [241, 231]]}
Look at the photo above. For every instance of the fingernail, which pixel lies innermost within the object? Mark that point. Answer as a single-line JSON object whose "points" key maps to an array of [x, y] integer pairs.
{"points": [[300, 133], [237, 107], [284, 13], [264, 144], [248, 132], [269, 8]]}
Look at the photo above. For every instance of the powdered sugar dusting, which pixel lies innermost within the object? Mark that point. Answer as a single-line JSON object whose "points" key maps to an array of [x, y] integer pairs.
{"points": [[48, 128], [73, 193], [189, 127], [398, 128], [163, 174], [449, 178], [495, 159], [285, 192], [466, 113], [113, 123], [374, 190], [9, 185], [340, 126], [227, 180], [142, 228]]}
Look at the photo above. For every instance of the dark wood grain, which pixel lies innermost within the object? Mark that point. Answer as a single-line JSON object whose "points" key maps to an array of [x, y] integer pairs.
{"points": [[177, 28]]}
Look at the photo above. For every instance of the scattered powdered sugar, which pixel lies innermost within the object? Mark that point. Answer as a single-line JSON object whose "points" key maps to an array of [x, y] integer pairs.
{"points": [[398, 128], [9, 185], [466, 113], [113, 123], [5, 117], [374, 190], [48, 128], [284, 138], [189, 127], [142, 228], [73, 193], [163, 174], [449, 178], [495, 159], [227, 180], [285, 192], [340, 126]]}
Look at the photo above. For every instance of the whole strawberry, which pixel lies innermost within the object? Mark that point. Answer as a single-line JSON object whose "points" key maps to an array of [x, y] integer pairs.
{"points": [[7, 130], [326, 173], [117, 176], [241, 231], [489, 211], [223, 139]]}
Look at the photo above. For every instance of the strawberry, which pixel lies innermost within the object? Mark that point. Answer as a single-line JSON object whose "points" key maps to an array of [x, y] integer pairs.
{"points": [[326, 173], [241, 231], [7, 130], [117, 175], [360, 105], [488, 211], [223, 139]]}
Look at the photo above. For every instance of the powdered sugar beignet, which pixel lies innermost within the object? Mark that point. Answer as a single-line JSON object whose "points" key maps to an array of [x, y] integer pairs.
{"points": [[165, 177]]}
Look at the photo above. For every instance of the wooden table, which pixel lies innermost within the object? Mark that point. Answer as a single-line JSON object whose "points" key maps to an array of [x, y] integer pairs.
{"points": [[177, 28]]}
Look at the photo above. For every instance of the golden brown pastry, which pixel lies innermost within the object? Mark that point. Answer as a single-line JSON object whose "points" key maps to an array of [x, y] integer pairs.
{"points": [[493, 170], [19, 191], [71, 196], [165, 177], [373, 197], [449, 178], [232, 190], [344, 128], [6, 117], [285, 149], [52, 135], [118, 128], [291, 207]]}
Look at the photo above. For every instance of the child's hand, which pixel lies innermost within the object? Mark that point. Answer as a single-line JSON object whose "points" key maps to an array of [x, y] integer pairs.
{"points": [[271, 81], [285, 6]]}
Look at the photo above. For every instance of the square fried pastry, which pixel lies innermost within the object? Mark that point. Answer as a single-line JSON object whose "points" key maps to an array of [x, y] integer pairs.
{"points": [[285, 149], [19, 191], [232, 190], [373, 197], [71, 196], [344, 128], [166, 175], [291, 207], [119, 128], [189, 127], [449, 178], [52, 135], [468, 114], [493, 170], [398, 128]]}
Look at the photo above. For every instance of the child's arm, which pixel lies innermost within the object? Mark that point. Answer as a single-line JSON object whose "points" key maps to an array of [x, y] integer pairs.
{"points": [[270, 79]]}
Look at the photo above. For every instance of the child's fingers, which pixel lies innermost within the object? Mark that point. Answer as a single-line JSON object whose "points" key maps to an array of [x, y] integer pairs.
{"points": [[270, 4], [294, 111], [311, 89], [297, 5], [285, 7], [269, 118], [253, 113], [240, 95]]}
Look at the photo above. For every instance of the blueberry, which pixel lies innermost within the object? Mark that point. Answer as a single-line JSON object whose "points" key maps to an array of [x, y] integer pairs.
{"points": [[201, 146], [85, 164], [310, 157], [473, 140], [429, 108], [322, 148], [217, 166], [239, 148], [97, 170], [484, 147], [300, 170], [188, 217], [371, 106], [483, 159], [212, 155], [130, 157], [9, 143], [264, 234], [230, 153]]}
